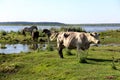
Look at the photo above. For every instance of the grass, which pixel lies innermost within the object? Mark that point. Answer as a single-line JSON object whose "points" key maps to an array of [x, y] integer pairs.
{"points": [[111, 36], [17, 37], [46, 65]]}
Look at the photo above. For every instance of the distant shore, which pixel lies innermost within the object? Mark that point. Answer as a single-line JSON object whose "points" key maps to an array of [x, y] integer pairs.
{"points": [[55, 24]]}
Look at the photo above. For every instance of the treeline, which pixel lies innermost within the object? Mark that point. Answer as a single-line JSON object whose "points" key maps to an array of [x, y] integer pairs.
{"points": [[55, 24], [102, 24], [33, 23]]}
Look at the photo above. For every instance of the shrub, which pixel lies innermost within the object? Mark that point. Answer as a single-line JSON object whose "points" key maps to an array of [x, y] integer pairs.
{"points": [[2, 46], [41, 34], [72, 28], [3, 33], [49, 47]]}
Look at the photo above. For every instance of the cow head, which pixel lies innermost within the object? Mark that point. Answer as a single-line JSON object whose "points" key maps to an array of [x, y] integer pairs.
{"points": [[53, 36], [47, 32], [94, 37]]}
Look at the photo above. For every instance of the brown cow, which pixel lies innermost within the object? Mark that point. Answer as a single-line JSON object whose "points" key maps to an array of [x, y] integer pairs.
{"points": [[79, 40], [35, 35]]}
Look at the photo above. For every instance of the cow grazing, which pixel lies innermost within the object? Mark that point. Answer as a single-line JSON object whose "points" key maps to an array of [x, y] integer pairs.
{"points": [[35, 35], [79, 40], [47, 32], [29, 29]]}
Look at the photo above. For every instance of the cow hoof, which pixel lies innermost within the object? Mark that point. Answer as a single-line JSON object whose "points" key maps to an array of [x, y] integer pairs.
{"points": [[61, 57]]}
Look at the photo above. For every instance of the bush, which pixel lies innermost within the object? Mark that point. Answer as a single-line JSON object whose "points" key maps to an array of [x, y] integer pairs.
{"points": [[72, 28], [3, 33], [41, 34], [2, 46], [49, 47]]}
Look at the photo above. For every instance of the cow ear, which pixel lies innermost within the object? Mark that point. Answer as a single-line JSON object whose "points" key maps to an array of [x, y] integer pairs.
{"points": [[66, 35], [91, 34]]}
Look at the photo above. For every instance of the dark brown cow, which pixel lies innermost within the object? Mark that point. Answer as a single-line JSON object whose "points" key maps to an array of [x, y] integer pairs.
{"points": [[29, 29], [35, 35]]}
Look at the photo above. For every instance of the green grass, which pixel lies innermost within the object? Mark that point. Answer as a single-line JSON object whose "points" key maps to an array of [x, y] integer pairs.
{"points": [[17, 37], [46, 65], [112, 36]]}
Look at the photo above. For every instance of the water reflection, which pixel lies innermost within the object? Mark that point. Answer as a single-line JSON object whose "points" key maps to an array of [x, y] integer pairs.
{"points": [[34, 46], [14, 48], [17, 48]]}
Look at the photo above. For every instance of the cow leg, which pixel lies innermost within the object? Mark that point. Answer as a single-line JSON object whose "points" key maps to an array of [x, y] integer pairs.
{"points": [[60, 53], [78, 50], [82, 55]]}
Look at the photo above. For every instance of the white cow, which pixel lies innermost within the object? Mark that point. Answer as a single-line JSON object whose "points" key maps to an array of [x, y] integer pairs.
{"points": [[79, 40]]}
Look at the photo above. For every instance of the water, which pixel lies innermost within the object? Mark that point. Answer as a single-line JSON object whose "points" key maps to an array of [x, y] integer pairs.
{"points": [[15, 48], [100, 28], [11, 28], [19, 28], [87, 28]]}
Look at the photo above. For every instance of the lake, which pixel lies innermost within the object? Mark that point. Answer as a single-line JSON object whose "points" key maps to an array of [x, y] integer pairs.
{"points": [[14, 48], [17, 48], [87, 28]]}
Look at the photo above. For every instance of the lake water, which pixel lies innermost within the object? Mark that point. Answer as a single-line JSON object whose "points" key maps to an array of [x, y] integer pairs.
{"points": [[17, 48], [87, 28], [19, 28], [14, 48], [100, 28]]}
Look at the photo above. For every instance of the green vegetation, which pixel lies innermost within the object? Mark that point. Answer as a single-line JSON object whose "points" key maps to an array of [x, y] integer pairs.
{"points": [[49, 47], [17, 37], [72, 28], [111, 36], [2, 46], [32, 23], [46, 65]]}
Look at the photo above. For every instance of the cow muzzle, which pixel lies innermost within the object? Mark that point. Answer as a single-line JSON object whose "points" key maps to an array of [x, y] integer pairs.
{"points": [[98, 42]]}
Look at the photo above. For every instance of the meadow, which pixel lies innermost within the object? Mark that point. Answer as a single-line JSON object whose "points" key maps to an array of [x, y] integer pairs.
{"points": [[103, 63], [46, 65]]}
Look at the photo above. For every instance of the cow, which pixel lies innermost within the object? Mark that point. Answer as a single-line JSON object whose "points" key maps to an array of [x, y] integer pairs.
{"points": [[29, 29], [47, 32], [79, 40], [35, 35]]}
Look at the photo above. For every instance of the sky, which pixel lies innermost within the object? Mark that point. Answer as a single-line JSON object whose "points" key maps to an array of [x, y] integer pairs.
{"points": [[64, 11]]}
